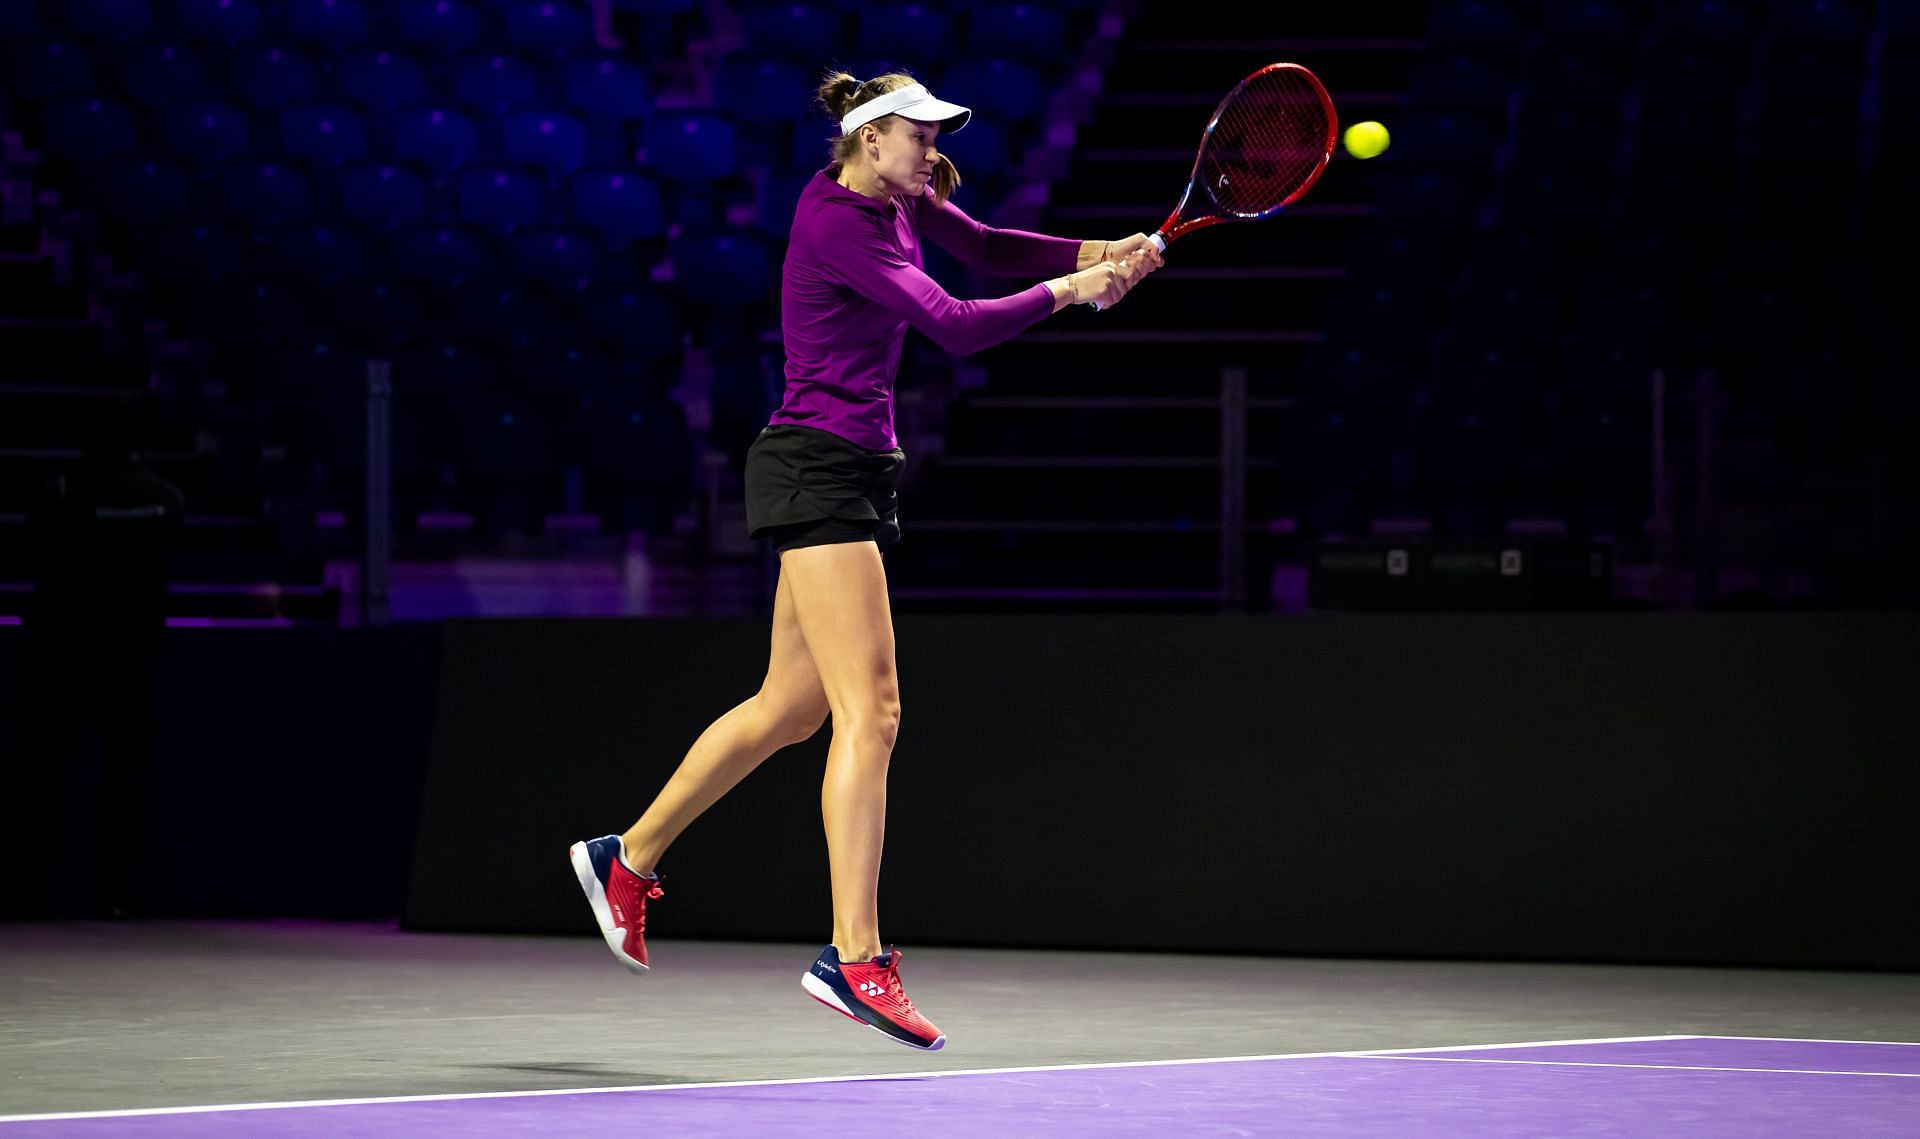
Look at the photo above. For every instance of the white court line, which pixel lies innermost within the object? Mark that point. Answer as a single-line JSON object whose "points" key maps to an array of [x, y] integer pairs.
{"points": [[1804, 1040], [208, 1108], [1655, 1067]]}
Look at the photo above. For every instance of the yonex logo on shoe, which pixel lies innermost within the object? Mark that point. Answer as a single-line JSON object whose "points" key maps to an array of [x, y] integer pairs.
{"points": [[871, 989]]}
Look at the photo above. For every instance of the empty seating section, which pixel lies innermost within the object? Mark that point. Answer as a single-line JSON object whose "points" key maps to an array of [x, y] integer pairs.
{"points": [[1580, 193], [531, 217]]}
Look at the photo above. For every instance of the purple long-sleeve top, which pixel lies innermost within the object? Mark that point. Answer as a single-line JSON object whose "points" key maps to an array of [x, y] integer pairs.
{"points": [[854, 281]]}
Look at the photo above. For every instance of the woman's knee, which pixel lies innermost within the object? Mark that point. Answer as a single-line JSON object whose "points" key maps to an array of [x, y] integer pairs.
{"points": [[876, 717]]}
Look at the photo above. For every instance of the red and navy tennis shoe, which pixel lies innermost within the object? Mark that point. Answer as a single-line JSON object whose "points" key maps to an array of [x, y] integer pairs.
{"points": [[871, 994], [618, 896]]}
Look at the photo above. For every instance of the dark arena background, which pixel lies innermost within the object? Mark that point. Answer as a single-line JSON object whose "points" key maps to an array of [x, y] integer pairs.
{"points": [[1439, 661]]}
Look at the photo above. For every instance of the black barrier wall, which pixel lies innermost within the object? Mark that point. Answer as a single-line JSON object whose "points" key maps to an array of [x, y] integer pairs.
{"points": [[1706, 788], [285, 779]]}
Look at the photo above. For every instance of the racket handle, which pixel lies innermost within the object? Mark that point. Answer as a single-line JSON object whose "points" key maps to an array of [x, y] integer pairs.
{"points": [[1159, 242]]}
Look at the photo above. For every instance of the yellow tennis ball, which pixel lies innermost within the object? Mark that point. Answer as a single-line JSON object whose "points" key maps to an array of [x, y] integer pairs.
{"points": [[1364, 140]]}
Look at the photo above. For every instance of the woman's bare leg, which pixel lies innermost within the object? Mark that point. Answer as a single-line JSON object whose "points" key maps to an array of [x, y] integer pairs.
{"points": [[789, 707], [840, 598]]}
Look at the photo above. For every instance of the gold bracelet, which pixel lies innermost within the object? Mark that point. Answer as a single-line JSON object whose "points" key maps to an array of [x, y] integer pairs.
{"points": [[1073, 291]]}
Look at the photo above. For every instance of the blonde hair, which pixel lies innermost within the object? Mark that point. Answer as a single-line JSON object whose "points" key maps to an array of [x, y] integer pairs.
{"points": [[840, 93]]}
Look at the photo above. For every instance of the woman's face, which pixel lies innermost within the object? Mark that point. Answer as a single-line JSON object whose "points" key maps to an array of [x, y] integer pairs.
{"points": [[907, 155]]}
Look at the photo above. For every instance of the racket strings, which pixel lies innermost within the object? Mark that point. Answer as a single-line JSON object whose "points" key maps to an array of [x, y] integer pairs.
{"points": [[1268, 143]]}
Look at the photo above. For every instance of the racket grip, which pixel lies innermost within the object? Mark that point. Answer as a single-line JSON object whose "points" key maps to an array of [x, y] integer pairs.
{"points": [[1159, 243]]}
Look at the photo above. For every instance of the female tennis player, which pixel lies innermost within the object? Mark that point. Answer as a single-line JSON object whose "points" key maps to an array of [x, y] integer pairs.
{"points": [[821, 486]]}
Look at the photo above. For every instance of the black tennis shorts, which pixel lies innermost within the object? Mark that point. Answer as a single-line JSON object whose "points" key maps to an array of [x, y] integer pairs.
{"points": [[808, 487]]}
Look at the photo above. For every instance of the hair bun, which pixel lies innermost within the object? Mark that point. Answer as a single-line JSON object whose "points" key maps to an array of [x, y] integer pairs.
{"points": [[836, 94]]}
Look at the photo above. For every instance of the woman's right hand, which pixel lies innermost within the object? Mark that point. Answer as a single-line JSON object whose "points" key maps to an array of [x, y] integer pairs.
{"points": [[1104, 284]]}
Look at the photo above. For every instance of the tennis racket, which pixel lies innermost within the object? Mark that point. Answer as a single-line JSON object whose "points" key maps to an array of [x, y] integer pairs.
{"points": [[1265, 146]]}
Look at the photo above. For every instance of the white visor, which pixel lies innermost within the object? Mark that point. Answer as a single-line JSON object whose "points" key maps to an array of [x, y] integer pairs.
{"points": [[911, 102]]}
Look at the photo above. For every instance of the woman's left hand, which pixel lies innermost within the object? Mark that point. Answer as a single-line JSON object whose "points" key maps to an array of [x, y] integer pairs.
{"points": [[1149, 258]]}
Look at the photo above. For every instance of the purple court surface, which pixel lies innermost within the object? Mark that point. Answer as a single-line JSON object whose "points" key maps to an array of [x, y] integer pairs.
{"points": [[1670, 1086]]}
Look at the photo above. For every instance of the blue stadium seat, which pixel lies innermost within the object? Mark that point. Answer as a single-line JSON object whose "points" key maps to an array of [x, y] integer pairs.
{"points": [[810, 145], [225, 22], [1631, 309], [555, 256], [1458, 141], [657, 7], [1426, 196], [605, 90], [1599, 27], [328, 23], [207, 133], [381, 80], [1728, 25], [264, 193], [779, 196], [1700, 134], [1506, 302], [144, 190], [914, 36], [443, 141], [805, 33], [324, 134], [160, 73], [507, 454], [692, 146], [381, 196], [18, 18], [1831, 25], [724, 267], [1032, 32], [110, 19], [1002, 87], [440, 253], [760, 90], [320, 253], [88, 130], [253, 312], [495, 312], [549, 26], [1680, 73], [1576, 77], [1799, 71], [621, 206], [1408, 306], [1568, 138], [640, 323], [1474, 27], [639, 457], [440, 368], [43, 70], [1443, 81], [495, 84], [372, 315], [437, 25], [1669, 201], [265, 76], [201, 252], [1414, 257], [553, 141], [500, 200], [984, 147]]}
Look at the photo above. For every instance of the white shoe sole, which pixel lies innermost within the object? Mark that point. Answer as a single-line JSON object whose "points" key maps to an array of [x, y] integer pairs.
{"points": [[616, 935], [821, 991]]}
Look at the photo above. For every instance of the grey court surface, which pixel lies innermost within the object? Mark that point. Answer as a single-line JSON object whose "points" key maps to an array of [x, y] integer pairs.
{"points": [[98, 1017]]}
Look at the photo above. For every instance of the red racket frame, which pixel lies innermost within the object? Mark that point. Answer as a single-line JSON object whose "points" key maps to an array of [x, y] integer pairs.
{"points": [[1175, 226]]}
